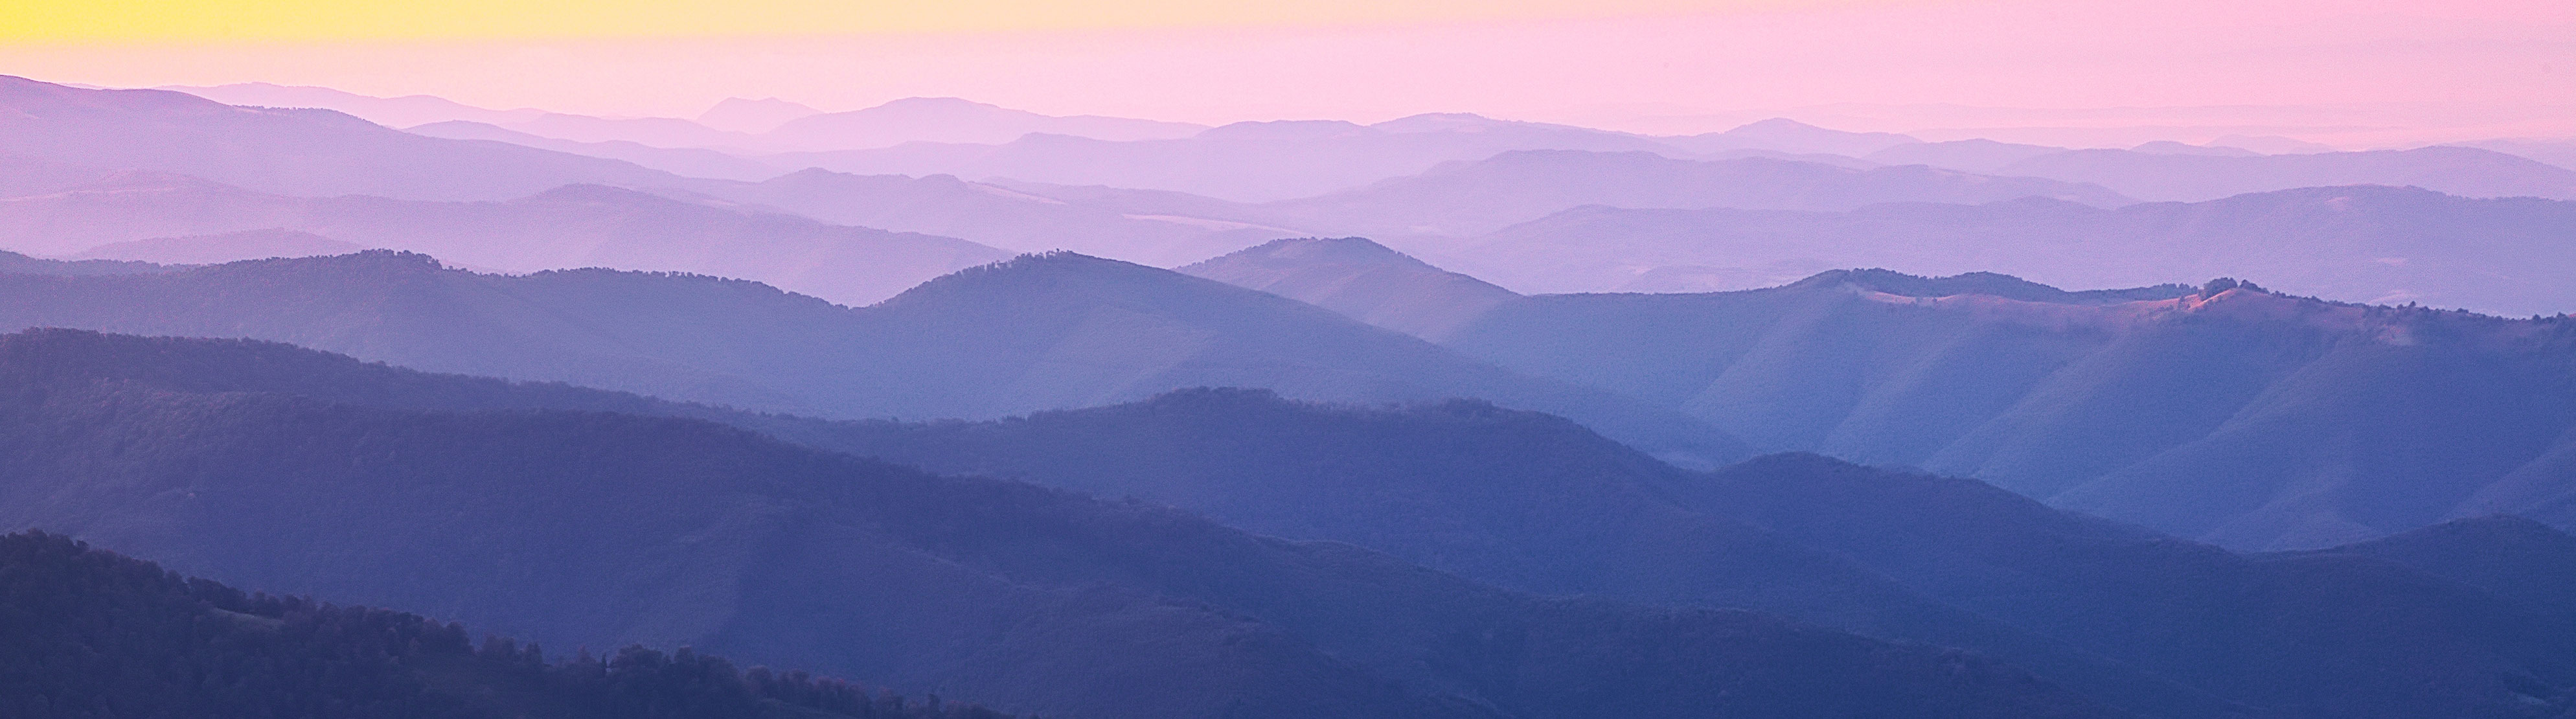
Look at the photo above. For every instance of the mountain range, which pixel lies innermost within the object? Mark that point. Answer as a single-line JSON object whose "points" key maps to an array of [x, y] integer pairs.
{"points": [[1038, 332], [2357, 244], [736, 124], [2354, 631], [677, 531], [2225, 413], [566, 227], [2206, 175], [1444, 416], [1529, 502], [303, 152]]}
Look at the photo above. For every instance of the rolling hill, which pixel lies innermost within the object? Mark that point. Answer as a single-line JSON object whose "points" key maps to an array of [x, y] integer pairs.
{"points": [[1529, 502], [1361, 279], [95, 634], [1040, 332], [1533, 502], [2230, 415], [676, 531]]}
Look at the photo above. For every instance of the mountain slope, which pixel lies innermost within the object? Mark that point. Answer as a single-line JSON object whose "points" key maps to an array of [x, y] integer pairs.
{"points": [[679, 531], [284, 151], [1360, 279], [1528, 502], [2330, 634], [99, 635], [2512, 557], [1036, 333], [2233, 416], [1535, 502], [2375, 244]]}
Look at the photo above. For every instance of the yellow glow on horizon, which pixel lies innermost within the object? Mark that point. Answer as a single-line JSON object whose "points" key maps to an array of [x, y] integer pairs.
{"points": [[75, 21]]}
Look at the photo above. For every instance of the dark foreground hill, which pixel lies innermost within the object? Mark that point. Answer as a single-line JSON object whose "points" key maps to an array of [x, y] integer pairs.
{"points": [[1528, 501], [1040, 332], [95, 635], [587, 528]]}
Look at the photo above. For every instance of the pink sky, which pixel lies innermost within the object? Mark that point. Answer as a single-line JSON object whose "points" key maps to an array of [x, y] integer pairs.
{"points": [[2355, 73]]}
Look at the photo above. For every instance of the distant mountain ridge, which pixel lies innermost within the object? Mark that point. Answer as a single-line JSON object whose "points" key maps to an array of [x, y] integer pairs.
{"points": [[1471, 198], [562, 228], [1035, 333], [2356, 244], [2130, 403], [286, 151]]}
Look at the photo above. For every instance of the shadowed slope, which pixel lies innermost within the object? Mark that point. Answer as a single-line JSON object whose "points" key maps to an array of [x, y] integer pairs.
{"points": [[586, 527], [93, 634], [2232, 415], [2334, 634]]}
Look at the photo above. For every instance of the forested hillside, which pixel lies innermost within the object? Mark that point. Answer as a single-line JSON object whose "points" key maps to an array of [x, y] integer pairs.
{"points": [[1532, 502], [2231, 415], [593, 528], [91, 634]]}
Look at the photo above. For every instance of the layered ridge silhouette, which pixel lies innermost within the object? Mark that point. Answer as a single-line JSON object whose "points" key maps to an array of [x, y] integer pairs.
{"points": [[584, 527]]}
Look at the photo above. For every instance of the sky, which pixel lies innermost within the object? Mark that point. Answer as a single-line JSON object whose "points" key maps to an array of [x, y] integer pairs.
{"points": [[2352, 73]]}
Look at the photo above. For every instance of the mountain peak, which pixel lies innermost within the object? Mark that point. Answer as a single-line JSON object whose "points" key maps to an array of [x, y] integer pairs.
{"points": [[1322, 249], [1037, 268], [1361, 279]]}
